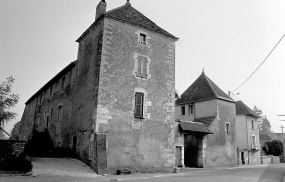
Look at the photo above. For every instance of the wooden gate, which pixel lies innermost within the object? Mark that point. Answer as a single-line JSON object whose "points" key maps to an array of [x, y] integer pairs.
{"points": [[191, 149]]}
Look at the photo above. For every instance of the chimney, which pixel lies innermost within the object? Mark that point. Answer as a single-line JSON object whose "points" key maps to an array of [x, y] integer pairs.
{"points": [[101, 8]]}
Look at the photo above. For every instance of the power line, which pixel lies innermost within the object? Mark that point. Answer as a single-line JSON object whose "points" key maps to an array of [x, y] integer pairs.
{"points": [[143, 5], [261, 63]]}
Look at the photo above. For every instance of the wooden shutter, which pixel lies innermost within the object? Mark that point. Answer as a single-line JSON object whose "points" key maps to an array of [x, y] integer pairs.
{"points": [[139, 70], [139, 104], [144, 69]]}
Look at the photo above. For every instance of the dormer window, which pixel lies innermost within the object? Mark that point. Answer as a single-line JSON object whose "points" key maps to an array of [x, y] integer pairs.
{"points": [[62, 83], [142, 39], [51, 91]]}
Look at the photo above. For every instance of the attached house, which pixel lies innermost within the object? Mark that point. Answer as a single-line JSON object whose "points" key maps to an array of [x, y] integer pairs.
{"points": [[205, 132], [247, 133]]}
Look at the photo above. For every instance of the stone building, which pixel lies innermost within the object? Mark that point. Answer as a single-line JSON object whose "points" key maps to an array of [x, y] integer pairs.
{"points": [[115, 105], [205, 132], [247, 132]]}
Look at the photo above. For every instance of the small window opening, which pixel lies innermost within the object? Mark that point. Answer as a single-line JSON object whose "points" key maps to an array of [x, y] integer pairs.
{"points": [[227, 128], [182, 110], [51, 91], [142, 39], [191, 109], [62, 83], [59, 113]]}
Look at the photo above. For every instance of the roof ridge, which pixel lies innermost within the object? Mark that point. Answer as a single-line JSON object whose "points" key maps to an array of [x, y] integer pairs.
{"points": [[117, 8], [211, 87]]}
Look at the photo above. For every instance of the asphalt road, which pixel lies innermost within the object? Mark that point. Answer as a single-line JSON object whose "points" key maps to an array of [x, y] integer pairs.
{"points": [[260, 173]]}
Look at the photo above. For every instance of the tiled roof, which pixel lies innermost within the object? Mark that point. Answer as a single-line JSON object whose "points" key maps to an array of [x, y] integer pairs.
{"points": [[264, 137], [49, 83], [132, 16], [243, 109], [202, 89], [206, 121], [193, 127]]}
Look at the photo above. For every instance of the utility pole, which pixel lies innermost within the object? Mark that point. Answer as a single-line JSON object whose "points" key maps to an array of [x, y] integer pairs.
{"points": [[282, 133]]}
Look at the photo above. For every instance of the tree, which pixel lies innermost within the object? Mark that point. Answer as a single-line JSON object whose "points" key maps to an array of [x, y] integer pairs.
{"points": [[7, 100], [2, 136], [263, 123], [15, 130], [274, 148]]}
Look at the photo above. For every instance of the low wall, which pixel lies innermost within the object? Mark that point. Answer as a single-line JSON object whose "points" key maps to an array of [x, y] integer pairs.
{"points": [[270, 159], [10, 148]]}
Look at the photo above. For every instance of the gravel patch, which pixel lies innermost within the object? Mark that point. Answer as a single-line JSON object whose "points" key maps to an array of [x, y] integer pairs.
{"points": [[61, 167]]}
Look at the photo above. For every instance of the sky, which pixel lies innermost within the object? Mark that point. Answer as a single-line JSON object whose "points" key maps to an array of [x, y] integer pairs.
{"points": [[229, 39]]}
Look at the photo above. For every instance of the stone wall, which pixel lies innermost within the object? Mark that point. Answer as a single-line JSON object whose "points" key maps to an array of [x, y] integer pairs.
{"points": [[42, 110], [10, 149], [139, 144], [220, 148]]}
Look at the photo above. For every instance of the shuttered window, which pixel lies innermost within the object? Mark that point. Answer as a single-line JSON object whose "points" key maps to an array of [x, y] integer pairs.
{"points": [[139, 98], [142, 67]]}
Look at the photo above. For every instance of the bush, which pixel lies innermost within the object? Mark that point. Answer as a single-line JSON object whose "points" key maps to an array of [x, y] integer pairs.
{"points": [[274, 148], [16, 163]]}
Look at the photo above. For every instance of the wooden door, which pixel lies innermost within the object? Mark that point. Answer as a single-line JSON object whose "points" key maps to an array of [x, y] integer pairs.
{"points": [[178, 156], [191, 150], [74, 144]]}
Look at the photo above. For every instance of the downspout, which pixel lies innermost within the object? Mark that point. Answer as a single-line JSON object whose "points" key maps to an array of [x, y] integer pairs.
{"points": [[247, 139]]}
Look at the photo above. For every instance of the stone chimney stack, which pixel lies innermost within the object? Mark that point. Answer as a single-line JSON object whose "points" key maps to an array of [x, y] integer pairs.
{"points": [[101, 8]]}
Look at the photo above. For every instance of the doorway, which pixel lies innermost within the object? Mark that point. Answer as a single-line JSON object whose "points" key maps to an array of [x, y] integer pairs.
{"points": [[74, 144], [178, 156], [192, 144], [242, 158]]}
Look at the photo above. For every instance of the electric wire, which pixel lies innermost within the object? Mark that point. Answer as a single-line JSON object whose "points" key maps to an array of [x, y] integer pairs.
{"points": [[143, 4], [260, 64]]}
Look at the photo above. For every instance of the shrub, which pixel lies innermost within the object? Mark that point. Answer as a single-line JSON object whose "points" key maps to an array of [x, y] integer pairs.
{"points": [[274, 148]]}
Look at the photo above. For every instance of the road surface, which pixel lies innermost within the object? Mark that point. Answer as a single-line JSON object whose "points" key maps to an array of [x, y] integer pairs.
{"points": [[259, 173]]}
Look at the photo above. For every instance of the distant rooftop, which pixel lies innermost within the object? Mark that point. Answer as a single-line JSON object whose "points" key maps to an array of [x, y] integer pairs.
{"points": [[243, 109], [202, 89]]}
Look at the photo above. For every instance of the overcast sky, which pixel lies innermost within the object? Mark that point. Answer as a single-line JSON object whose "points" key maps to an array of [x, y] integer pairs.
{"points": [[228, 38]]}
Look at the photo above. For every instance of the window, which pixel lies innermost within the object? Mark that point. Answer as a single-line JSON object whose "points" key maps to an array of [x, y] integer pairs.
{"points": [[62, 83], [139, 99], [142, 67], [38, 121], [51, 91], [253, 142], [42, 98], [51, 113], [191, 109], [182, 110], [47, 121], [227, 128], [252, 125], [59, 114], [142, 39]]}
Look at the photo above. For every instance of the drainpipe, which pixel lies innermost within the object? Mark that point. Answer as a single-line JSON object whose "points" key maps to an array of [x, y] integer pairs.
{"points": [[247, 138]]}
